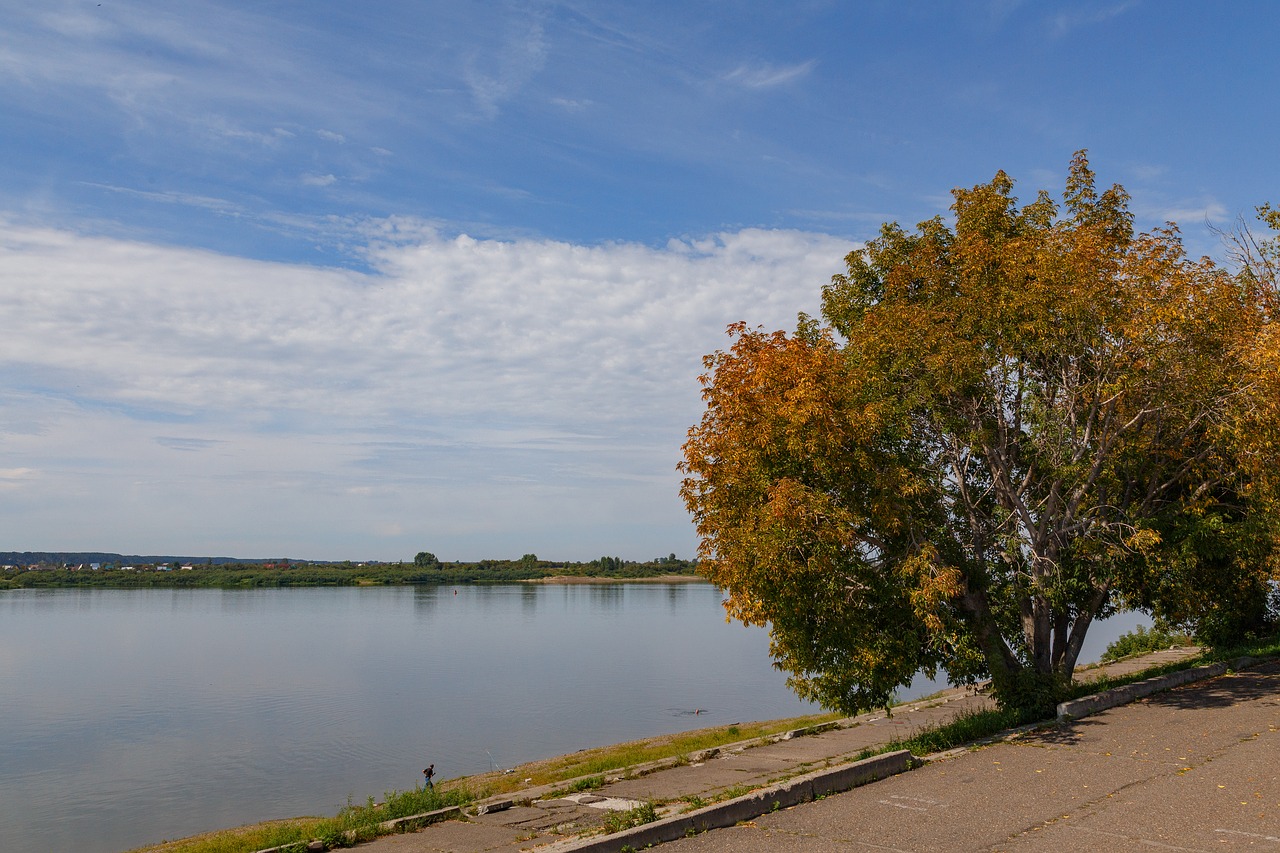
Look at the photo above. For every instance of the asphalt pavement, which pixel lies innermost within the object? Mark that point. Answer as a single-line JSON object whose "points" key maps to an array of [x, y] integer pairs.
{"points": [[1195, 768]]}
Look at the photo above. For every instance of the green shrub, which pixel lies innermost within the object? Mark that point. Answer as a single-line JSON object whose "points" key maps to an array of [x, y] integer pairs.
{"points": [[1141, 641]]}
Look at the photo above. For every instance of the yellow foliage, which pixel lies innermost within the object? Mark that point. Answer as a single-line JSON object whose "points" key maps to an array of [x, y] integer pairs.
{"points": [[1006, 422]]}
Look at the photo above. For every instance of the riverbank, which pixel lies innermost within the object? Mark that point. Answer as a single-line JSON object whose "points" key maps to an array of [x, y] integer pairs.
{"points": [[583, 793], [578, 579], [263, 576]]}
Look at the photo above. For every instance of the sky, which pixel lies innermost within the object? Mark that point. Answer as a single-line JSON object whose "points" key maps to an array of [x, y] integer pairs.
{"points": [[334, 280]]}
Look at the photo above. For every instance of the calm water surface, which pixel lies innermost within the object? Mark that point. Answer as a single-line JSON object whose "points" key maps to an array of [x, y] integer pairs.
{"points": [[131, 716]]}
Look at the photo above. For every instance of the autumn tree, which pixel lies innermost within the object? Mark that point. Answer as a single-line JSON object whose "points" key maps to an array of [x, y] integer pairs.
{"points": [[1005, 427]]}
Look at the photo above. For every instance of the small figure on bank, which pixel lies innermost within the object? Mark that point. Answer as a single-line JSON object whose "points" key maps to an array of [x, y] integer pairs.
{"points": [[428, 774]]}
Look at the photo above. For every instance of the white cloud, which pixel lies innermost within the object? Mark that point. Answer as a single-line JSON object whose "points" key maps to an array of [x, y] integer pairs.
{"points": [[318, 180], [1088, 15], [1184, 212], [572, 105], [13, 479], [496, 77], [767, 76], [468, 391], [330, 136]]}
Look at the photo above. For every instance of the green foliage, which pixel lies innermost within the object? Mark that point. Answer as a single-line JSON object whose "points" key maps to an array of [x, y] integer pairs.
{"points": [[1142, 641], [426, 560], [610, 565]]}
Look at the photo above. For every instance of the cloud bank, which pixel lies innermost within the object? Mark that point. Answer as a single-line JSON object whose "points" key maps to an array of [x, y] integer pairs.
{"points": [[472, 397]]}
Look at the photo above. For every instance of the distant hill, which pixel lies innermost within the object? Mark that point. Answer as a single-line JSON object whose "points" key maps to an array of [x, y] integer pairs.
{"points": [[75, 558]]}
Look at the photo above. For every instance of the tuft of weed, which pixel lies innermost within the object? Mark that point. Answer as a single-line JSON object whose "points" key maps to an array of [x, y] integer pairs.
{"points": [[640, 815], [966, 728], [589, 783]]}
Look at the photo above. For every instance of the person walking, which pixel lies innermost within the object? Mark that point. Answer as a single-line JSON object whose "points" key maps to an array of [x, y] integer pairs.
{"points": [[428, 774]]}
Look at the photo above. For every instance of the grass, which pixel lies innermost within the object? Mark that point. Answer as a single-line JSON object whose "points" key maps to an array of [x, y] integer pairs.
{"points": [[352, 823], [1266, 647], [965, 728], [608, 759]]}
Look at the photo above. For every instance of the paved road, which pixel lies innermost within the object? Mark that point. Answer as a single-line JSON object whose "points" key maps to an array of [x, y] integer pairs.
{"points": [[1196, 768]]}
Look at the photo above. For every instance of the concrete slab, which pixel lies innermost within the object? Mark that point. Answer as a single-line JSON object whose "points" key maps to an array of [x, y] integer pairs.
{"points": [[968, 803], [454, 837], [715, 776], [550, 816]]}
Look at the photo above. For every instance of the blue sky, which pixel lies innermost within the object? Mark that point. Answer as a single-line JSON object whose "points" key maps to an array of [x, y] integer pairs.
{"points": [[338, 280]]}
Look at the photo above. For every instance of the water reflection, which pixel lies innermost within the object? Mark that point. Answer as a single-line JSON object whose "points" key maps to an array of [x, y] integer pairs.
{"points": [[607, 595], [426, 599], [530, 596]]}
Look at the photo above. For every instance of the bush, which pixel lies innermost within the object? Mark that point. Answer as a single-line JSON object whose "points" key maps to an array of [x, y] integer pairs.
{"points": [[1142, 641]]}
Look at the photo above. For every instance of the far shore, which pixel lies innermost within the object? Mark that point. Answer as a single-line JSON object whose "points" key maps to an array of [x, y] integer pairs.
{"points": [[571, 579]]}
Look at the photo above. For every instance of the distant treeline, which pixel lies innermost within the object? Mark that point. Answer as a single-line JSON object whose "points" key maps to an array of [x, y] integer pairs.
{"points": [[277, 573], [74, 558]]}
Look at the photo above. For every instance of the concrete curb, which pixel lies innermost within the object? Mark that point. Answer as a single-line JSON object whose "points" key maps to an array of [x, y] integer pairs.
{"points": [[417, 821], [526, 796], [399, 824], [801, 789], [1086, 705]]}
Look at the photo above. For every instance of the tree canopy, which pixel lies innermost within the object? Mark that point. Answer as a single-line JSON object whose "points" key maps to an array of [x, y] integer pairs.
{"points": [[1004, 427]]}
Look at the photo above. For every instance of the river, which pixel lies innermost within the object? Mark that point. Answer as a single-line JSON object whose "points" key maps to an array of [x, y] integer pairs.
{"points": [[132, 716]]}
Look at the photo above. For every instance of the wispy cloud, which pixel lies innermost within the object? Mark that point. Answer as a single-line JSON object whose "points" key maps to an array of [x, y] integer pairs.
{"points": [[186, 444], [318, 180], [765, 76], [1185, 212], [503, 368], [12, 479], [219, 205], [572, 105], [494, 78], [1089, 14]]}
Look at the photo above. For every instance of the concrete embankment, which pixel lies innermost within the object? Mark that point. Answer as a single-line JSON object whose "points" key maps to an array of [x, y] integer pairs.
{"points": [[1193, 768], [723, 788]]}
